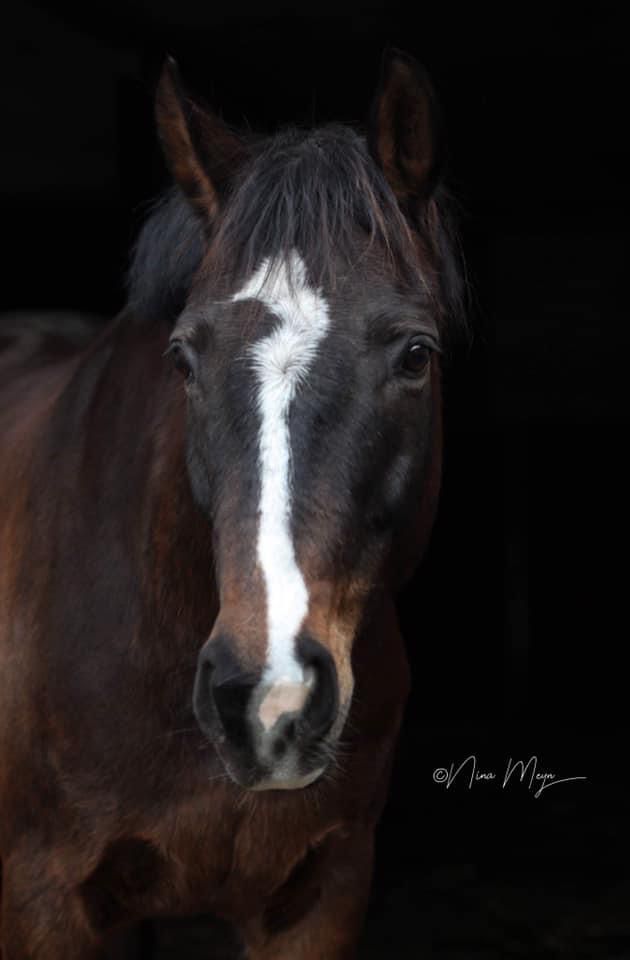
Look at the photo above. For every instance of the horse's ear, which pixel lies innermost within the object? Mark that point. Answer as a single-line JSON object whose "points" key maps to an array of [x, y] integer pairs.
{"points": [[402, 135], [202, 153]]}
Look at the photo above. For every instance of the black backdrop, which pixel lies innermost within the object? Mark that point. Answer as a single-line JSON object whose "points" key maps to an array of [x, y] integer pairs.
{"points": [[516, 624]]}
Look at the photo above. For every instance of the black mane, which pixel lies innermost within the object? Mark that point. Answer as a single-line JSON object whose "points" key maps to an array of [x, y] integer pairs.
{"points": [[166, 255], [315, 191]]}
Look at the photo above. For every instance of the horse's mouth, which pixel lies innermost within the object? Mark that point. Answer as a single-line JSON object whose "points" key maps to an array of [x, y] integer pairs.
{"points": [[290, 774]]}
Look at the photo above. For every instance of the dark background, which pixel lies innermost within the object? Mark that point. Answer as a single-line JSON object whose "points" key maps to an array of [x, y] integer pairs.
{"points": [[516, 623]]}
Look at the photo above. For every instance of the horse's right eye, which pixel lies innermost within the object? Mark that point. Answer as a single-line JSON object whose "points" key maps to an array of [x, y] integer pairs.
{"points": [[416, 358], [182, 358]]}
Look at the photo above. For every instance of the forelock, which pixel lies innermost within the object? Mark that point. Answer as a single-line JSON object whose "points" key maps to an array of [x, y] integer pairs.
{"points": [[318, 192]]}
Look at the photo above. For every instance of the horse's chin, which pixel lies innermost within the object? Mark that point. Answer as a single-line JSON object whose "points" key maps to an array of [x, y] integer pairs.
{"points": [[297, 783]]}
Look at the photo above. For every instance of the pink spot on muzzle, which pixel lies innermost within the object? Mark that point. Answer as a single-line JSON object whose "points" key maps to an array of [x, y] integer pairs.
{"points": [[282, 698]]}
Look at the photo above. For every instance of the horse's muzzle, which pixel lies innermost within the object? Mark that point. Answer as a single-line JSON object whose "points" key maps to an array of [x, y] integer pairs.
{"points": [[270, 731]]}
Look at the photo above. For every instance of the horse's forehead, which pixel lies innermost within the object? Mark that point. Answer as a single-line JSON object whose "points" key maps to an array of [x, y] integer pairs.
{"points": [[281, 284]]}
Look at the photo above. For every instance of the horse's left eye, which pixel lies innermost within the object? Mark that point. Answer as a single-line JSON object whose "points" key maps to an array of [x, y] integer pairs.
{"points": [[416, 358], [182, 358]]}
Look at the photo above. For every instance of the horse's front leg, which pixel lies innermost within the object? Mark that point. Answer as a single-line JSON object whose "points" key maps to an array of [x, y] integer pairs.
{"points": [[40, 917], [319, 917]]}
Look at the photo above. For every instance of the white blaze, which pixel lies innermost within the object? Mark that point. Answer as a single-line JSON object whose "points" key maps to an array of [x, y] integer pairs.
{"points": [[281, 362]]}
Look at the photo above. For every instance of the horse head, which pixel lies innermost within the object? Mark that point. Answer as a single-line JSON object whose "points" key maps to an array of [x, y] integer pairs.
{"points": [[309, 348]]}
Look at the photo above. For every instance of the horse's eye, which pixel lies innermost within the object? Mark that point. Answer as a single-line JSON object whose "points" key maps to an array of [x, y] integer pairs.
{"points": [[182, 358], [416, 358]]}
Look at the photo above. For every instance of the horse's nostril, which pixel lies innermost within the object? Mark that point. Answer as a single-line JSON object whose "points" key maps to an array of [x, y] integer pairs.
{"points": [[323, 703], [222, 692]]}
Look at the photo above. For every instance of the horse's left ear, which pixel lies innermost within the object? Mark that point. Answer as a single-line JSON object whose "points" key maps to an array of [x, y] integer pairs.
{"points": [[202, 152], [402, 134]]}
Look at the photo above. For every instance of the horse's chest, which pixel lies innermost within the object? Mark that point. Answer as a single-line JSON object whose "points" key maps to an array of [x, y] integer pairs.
{"points": [[234, 859]]}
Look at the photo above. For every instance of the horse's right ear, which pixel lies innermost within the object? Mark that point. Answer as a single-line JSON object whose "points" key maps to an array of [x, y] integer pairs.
{"points": [[403, 134], [202, 153]]}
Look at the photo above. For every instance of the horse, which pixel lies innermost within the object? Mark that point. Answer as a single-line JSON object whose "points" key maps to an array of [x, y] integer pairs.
{"points": [[208, 508]]}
